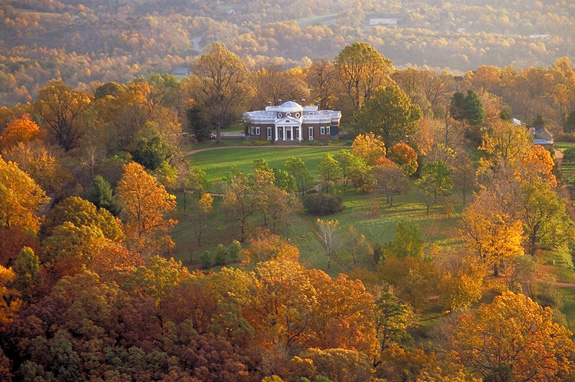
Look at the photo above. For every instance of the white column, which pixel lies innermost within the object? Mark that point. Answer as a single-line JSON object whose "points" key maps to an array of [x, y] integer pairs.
{"points": [[291, 133], [276, 137], [300, 133]]}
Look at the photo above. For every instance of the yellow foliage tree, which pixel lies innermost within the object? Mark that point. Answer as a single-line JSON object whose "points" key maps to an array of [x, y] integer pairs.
{"points": [[20, 202], [9, 301], [145, 208], [369, 147], [512, 339]]}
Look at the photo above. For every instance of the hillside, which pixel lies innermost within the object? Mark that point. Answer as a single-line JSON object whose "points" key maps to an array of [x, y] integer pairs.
{"points": [[102, 41]]}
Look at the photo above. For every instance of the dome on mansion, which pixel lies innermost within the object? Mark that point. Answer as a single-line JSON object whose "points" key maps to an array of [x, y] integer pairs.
{"points": [[290, 107], [291, 122]]}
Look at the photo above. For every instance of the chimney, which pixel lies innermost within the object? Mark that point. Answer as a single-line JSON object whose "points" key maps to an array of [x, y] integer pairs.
{"points": [[303, 101], [317, 104], [269, 103], [279, 101]]}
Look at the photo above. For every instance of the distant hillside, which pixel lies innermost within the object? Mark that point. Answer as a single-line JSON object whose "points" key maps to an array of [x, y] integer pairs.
{"points": [[105, 40]]}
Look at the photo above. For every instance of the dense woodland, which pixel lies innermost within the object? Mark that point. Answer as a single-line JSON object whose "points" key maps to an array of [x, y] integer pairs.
{"points": [[88, 181], [102, 41]]}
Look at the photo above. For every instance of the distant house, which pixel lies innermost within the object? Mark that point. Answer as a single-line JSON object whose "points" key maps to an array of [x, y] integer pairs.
{"points": [[384, 21], [290, 122], [181, 71], [542, 136]]}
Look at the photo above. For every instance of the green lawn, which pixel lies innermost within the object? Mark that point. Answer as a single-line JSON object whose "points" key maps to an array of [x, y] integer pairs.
{"points": [[367, 213], [217, 163]]}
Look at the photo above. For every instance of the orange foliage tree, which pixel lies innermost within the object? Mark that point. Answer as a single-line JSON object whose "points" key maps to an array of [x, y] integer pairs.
{"points": [[405, 156], [145, 208], [22, 129]]}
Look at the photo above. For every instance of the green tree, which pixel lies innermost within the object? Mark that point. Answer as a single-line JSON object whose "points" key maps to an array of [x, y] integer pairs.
{"points": [[467, 107], [298, 169], [152, 153], [389, 114], [545, 219], [329, 172], [569, 125], [27, 270], [199, 123], [100, 193], [435, 181]]}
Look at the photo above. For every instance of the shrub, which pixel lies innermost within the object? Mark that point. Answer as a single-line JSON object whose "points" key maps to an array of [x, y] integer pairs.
{"points": [[321, 204]]}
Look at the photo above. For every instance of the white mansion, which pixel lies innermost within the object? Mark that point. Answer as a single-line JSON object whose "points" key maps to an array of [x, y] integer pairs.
{"points": [[291, 122]]}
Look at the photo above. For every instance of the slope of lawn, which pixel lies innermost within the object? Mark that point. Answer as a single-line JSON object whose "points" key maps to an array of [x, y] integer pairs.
{"points": [[217, 163]]}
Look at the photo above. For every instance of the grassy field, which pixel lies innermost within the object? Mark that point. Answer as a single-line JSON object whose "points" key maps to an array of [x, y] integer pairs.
{"points": [[217, 163]]}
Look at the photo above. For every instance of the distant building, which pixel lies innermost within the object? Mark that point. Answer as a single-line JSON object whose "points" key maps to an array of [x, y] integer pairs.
{"points": [[291, 122], [542, 136], [384, 21], [181, 71]]}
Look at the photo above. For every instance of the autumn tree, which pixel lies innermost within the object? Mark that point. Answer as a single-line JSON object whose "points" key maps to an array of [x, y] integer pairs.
{"points": [[60, 109], [461, 280], [512, 339], [22, 129], [405, 156], [240, 201], [145, 206], [342, 315], [221, 84], [361, 70], [491, 226], [328, 230], [322, 76], [369, 147], [268, 246], [201, 210], [391, 179], [279, 305], [505, 144], [21, 200], [81, 212]]}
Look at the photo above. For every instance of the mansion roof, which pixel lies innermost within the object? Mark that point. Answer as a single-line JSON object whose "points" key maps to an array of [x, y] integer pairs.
{"points": [[292, 111]]}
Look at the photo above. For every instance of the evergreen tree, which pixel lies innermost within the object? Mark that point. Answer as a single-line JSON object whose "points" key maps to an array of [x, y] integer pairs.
{"points": [[569, 126], [100, 193], [199, 123], [473, 109]]}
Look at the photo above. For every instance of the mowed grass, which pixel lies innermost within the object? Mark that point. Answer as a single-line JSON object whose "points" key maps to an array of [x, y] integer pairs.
{"points": [[367, 213], [218, 162]]}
